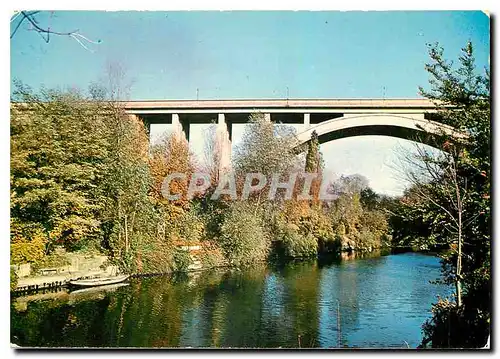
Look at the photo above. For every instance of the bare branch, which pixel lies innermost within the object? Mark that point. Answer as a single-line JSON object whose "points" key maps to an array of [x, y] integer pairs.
{"points": [[46, 32]]}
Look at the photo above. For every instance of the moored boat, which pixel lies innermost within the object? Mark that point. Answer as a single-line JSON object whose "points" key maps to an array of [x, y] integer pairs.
{"points": [[98, 281]]}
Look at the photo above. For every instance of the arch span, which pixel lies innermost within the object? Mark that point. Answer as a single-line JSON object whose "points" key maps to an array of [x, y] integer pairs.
{"points": [[410, 127]]}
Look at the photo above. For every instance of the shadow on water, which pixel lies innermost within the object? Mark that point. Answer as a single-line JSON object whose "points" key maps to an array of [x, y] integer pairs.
{"points": [[382, 302]]}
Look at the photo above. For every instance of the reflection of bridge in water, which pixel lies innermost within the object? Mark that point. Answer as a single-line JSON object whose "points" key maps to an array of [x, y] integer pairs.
{"points": [[330, 118]]}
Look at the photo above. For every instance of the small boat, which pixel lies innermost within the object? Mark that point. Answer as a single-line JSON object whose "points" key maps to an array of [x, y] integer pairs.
{"points": [[99, 289], [98, 281]]}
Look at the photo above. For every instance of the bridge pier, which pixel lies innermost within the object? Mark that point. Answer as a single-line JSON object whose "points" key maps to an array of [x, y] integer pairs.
{"points": [[223, 143], [180, 127], [307, 121]]}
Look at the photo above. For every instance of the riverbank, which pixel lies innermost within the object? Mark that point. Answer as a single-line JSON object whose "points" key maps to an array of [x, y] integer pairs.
{"points": [[93, 268], [30, 280]]}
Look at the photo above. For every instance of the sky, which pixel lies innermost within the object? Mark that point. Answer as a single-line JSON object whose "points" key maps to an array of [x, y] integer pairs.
{"points": [[228, 55]]}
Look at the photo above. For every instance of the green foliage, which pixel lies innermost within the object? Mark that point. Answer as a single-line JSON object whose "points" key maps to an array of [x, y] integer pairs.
{"points": [[317, 224], [414, 227], [366, 240], [313, 157], [58, 258], [212, 257], [244, 239], [154, 257], [28, 242], [369, 199], [182, 260], [358, 215], [129, 216], [79, 170], [188, 227], [59, 148], [13, 279], [303, 232], [265, 148], [297, 245], [454, 327], [452, 209]]}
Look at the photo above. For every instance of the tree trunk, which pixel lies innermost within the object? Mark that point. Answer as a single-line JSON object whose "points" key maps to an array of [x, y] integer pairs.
{"points": [[459, 259], [126, 235], [458, 282], [459, 262]]}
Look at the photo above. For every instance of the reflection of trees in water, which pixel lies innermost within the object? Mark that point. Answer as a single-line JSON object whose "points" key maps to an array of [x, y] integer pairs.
{"points": [[199, 316], [349, 256], [339, 290], [301, 297], [243, 294], [49, 325], [180, 318], [276, 322], [214, 309], [341, 285], [348, 291], [218, 319]]}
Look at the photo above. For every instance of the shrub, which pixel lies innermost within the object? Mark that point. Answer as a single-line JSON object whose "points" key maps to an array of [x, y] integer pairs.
{"points": [[58, 258], [189, 227], [155, 257], [28, 242], [319, 225], [456, 327], [75, 232], [244, 239], [298, 246], [366, 240], [316, 227], [211, 256], [182, 260], [13, 279]]}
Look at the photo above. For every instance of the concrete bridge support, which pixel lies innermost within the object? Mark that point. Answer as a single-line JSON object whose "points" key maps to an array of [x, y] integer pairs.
{"points": [[180, 128], [307, 121], [223, 143]]}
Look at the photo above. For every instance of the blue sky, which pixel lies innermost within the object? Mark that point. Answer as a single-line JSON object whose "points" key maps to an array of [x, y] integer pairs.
{"points": [[169, 55]]}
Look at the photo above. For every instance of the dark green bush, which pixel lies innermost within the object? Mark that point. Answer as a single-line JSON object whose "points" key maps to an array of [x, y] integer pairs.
{"points": [[182, 260], [244, 239]]}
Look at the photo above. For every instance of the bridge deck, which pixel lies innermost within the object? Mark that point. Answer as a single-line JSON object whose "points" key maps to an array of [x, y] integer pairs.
{"points": [[333, 104]]}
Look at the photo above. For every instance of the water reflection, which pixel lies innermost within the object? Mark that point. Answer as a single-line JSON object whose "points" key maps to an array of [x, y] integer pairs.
{"points": [[382, 302]]}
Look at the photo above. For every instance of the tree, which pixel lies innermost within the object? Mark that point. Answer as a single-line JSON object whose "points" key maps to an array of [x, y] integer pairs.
{"points": [[59, 147], [444, 196], [313, 159], [314, 164], [212, 154], [350, 185], [450, 193], [369, 198], [80, 175], [265, 148], [130, 218]]}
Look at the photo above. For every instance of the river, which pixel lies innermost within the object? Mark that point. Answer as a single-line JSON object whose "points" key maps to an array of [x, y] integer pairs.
{"points": [[378, 302]]}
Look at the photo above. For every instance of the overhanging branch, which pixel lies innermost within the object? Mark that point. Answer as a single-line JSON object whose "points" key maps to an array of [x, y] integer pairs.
{"points": [[45, 32]]}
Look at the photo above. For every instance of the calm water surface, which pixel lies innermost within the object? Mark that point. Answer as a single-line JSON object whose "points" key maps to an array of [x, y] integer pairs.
{"points": [[382, 302]]}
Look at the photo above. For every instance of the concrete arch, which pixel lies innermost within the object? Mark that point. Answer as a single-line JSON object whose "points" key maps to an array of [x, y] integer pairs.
{"points": [[409, 126]]}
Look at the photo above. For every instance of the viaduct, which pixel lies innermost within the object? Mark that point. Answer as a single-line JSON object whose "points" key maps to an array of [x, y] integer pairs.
{"points": [[330, 118]]}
